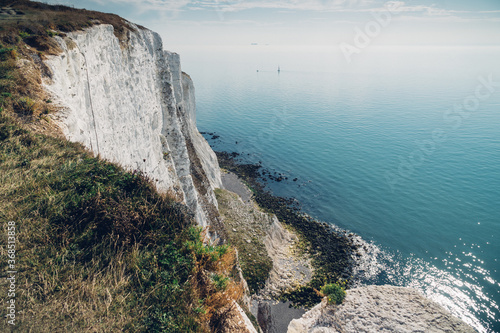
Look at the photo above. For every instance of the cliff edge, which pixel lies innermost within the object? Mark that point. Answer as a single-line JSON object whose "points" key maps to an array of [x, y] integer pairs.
{"points": [[131, 104]]}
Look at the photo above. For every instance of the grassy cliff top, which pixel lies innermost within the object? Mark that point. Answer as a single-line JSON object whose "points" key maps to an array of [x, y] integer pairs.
{"points": [[43, 20]]}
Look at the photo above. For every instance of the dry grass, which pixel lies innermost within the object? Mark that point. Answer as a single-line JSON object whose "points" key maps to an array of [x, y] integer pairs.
{"points": [[39, 21], [215, 282], [79, 249], [99, 249], [21, 70], [90, 299]]}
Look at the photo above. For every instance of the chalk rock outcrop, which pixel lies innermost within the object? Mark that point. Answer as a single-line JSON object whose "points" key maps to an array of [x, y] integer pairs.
{"points": [[130, 103], [379, 309], [290, 268], [236, 321]]}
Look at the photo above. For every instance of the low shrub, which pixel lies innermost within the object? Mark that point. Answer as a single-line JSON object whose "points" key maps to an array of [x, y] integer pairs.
{"points": [[25, 106], [24, 34], [220, 282], [214, 278], [7, 53], [335, 293]]}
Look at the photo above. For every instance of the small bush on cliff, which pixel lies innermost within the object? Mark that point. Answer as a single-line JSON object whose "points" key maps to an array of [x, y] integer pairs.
{"points": [[335, 293], [7, 53], [24, 34], [220, 282], [214, 277], [25, 106]]}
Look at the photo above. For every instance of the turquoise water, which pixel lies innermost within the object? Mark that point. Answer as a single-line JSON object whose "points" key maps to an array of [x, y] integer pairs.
{"points": [[378, 149]]}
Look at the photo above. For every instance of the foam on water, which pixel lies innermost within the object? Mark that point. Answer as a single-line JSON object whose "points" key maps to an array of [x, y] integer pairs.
{"points": [[377, 266]]}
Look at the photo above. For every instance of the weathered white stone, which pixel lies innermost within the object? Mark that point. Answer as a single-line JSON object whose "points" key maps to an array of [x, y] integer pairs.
{"points": [[236, 321], [133, 105], [290, 269], [379, 309]]}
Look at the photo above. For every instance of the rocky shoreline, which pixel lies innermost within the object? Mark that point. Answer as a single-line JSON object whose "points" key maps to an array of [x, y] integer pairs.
{"points": [[366, 309], [269, 255], [331, 251]]}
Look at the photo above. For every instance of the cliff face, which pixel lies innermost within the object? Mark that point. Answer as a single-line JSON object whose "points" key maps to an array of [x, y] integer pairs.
{"points": [[131, 104]]}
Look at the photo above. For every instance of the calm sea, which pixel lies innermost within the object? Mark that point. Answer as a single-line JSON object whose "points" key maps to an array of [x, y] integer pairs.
{"points": [[401, 146]]}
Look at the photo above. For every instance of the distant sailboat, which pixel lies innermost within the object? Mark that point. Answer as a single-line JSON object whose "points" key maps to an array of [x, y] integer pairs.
{"points": [[279, 70]]}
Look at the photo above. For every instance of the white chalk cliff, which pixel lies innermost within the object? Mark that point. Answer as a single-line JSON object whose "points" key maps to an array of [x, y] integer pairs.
{"points": [[130, 103]]}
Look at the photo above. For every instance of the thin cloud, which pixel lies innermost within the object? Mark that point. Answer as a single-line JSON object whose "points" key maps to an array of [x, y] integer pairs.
{"points": [[447, 18], [240, 5], [172, 8], [148, 5], [308, 5]]}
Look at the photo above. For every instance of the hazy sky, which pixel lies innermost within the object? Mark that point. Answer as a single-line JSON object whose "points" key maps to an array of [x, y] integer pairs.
{"points": [[325, 22]]}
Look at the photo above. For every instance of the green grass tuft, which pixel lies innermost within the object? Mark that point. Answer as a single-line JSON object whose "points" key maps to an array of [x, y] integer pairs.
{"points": [[334, 292]]}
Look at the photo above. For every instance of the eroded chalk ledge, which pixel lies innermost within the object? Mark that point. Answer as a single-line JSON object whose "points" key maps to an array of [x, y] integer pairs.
{"points": [[379, 309]]}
